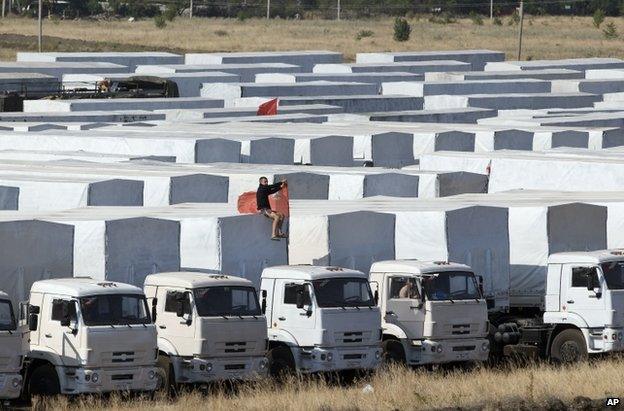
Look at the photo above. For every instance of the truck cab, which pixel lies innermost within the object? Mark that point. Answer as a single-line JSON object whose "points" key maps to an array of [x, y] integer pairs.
{"points": [[89, 336], [12, 351], [320, 319], [432, 312], [210, 327]]}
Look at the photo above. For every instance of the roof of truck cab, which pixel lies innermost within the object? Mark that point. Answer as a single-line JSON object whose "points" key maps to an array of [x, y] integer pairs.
{"points": [[591, 257], [3, 295], [416, 266], [83, 287], [309, 272], [190, 280]]}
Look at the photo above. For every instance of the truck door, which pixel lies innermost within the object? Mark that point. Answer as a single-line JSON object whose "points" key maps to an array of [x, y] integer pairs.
{"points": [[578, 299], [171, 327], [404, 307], [286, 315], [61, 339]]}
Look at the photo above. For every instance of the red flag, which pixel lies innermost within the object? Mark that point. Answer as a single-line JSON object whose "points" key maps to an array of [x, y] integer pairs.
{"points": [[279, 202], [268, 109]]}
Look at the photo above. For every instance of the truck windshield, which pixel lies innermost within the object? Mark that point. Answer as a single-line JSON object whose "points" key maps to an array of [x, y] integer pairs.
{"points": [[114, 309], [7, 319], [451, 285], [614, 274], [228, 301], [343, 292]]}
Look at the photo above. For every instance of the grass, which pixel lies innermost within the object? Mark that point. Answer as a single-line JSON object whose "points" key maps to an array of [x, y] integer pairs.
{"points": [[535, 386], [544, 37]]}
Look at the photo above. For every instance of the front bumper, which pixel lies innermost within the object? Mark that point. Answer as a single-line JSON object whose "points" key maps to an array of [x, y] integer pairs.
{"points": [[10, 386], [421, 352], [201, 370], [321, 359], [609, 340], [99, 380]]}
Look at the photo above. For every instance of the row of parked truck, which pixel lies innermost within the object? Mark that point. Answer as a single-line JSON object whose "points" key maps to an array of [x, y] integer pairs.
{"points": [[80, 335]]}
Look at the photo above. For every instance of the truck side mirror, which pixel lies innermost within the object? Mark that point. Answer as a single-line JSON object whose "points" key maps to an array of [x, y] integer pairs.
{"points": [[264, 298], [300, 298], [154, 305], [376, 297], [590, 281], [480, 282], [33, 309], [180, 309], [33, 320]]}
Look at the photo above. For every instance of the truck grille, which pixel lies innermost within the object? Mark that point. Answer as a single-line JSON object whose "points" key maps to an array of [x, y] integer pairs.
{"points": [[123, 357], [122, 377], [4, 362], [460, 329], [229, 367], [352, 337], [464, 348], [235, 347]]}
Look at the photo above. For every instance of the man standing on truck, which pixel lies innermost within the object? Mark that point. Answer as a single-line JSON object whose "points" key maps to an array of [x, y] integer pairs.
{"points": [[262, 201]]}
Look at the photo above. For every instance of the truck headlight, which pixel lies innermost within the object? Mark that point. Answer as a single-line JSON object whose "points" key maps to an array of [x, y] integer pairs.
{"points": [[16, 382], [263, 364], [330, 356], [95, 377], [439, 349], [485, 346], [151, 374], [209, 367], [620, 336], [377, 355]]}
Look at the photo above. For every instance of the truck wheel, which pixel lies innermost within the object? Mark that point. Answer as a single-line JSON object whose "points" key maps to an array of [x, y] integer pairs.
{"points": [[168, 375], [569, 347], [281, 362], [393, 352], [44, 381]]}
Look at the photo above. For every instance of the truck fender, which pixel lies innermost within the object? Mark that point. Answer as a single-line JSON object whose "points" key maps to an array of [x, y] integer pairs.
{"points": [[166, 346], [394, 331], [556, 319], [45, 356], [282, 336]]}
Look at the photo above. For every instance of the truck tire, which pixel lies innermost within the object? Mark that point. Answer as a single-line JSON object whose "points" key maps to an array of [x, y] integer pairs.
{"points": [[569, 347], [44, 381], [281, 362], [168, 383], [393, 352]]}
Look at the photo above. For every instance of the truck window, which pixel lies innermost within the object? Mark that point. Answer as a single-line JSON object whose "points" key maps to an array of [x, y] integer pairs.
{"points": [[451, 285], [580, 274], [7, 319], [171, 301], [614, 274], [57, 310], [228, 301], [290, 294], [114, 309], [403, 287], [343, 292]]}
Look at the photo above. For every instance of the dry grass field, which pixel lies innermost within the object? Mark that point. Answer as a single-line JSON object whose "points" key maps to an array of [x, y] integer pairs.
{"points": [[537, 386], [544, 37]]}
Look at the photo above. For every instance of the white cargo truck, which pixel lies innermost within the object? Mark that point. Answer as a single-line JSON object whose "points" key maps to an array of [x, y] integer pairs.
{"points": [[432, 312], [582, 313], [320, 319], [89, 336], [12, 351], [210, 327]]}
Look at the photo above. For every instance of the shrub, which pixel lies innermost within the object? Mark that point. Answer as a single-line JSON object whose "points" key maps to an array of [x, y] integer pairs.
{"points": [[514, 19], [598, 17], [242, 15], [610, 32], [160, 21], [364, 33], [402, 29], [497, 21], [221, 33], [476, 18], [170, 13]]}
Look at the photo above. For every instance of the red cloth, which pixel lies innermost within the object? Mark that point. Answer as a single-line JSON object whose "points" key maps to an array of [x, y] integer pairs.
{"points": [[268, 109], [279, 202]]}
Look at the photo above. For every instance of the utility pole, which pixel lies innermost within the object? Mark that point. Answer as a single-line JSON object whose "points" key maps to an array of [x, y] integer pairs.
{"points": [[268, 9], [491, 9], [3, 8], [520, 31], [338, 10], [191, 12], [40, 24]]}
